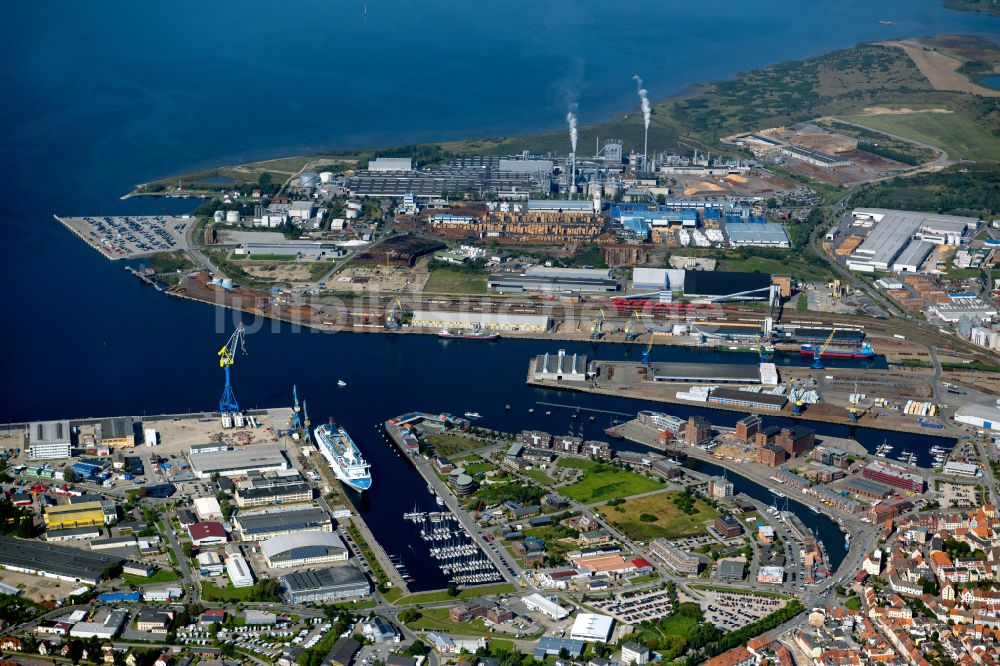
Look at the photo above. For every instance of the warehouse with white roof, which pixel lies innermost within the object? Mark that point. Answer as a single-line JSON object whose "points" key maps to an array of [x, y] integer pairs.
{"points": [[540, 604], [592, 627], [238, 462], [303, 548], [899, 232]]}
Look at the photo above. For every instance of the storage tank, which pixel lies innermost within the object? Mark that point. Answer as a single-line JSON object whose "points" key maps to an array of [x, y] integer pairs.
{"points": [[219, 215], [325, 176], [232, 216], [308, 179]]}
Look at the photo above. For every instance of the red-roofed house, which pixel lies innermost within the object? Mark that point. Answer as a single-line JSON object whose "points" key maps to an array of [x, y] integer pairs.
{"points": [[207, 533], [641, 565], [739, 656]]}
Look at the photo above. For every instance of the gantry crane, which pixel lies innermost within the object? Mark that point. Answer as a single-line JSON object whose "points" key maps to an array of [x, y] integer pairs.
{"points": [[597, 326], [393, 315], [227, 356], [818, 351], [630, 328]]}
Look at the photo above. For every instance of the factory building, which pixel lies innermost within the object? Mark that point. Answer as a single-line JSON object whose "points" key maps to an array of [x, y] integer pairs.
{"points": [[382, 164], [84, 514], [301, 248], [395, 178], [267, 525], [118, 432], [491, 321], [238, 462], [737, 398], [239, 570], [539, 604], [303, 548], [545, 279], [814, 157], [322, 585], [986, 417], [705, 373], [61, 562], [899, 235], [560, 367], [755, 231], [913, 257], [49, 440], [591, 627]]}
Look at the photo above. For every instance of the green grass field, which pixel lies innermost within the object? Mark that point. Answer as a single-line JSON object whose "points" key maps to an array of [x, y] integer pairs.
{"points": [[959, 136], [212, 592], [791, 265], [447, 444], [436, 619], [447, 281], [603, 482], [670, 522], [442, 595], [539, 475], [161, 576]]}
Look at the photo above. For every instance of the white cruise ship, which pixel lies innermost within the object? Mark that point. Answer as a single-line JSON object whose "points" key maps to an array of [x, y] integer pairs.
{"points": [[343, 455]]}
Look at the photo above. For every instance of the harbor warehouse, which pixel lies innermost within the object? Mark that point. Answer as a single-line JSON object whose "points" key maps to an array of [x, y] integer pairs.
{"points": [[303, 548], [331, 584], [45, 559], [238, 462], [261, 526], [493, 321]]}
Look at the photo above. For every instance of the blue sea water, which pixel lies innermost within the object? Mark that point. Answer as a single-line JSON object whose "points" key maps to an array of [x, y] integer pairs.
{"points": [[100, 96]]}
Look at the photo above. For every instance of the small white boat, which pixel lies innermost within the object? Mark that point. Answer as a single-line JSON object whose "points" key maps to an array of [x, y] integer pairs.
{"points": [[473, 415], [341, 383]]}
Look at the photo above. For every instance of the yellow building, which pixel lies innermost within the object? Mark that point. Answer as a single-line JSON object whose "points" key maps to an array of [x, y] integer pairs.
{"points": [[118, 431], [65, 516]]}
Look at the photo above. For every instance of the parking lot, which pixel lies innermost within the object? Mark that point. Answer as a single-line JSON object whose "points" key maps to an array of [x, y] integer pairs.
{"points": [[131, 235], [731, 610], [633, 607]]}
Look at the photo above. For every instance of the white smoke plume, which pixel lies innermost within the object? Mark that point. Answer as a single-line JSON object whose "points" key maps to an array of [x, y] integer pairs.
{"points": [[571, 119], [644, 99]]}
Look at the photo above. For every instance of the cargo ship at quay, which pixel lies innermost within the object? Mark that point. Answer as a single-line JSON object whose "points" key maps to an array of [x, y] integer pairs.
{"points": [[865, 352], [343, 456], [475, 333]]}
